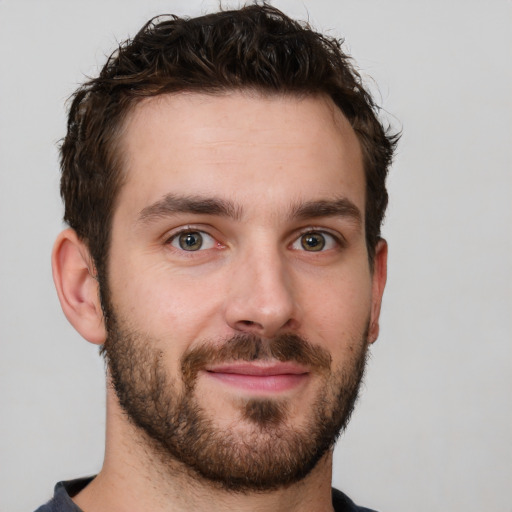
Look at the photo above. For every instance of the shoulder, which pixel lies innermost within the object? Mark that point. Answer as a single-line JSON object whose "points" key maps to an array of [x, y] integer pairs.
{"points": [[61, 501], [342, 503]]}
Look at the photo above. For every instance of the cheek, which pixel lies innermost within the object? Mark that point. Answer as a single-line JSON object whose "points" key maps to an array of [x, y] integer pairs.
{"points": [[337, 314], [163, 302]]}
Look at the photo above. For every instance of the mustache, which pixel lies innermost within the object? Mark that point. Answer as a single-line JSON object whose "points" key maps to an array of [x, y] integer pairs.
{"points": [[248, 347]]}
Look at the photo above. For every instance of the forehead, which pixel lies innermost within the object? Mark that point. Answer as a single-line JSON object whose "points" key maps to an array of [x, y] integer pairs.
{"points": [[241, 146]]}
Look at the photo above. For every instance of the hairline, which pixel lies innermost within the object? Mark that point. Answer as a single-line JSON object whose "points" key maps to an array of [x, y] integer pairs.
{"points": [[120, 165]]}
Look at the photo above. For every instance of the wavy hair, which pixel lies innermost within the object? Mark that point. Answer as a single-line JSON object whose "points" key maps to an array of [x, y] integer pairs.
{"points": [[256, 47]]}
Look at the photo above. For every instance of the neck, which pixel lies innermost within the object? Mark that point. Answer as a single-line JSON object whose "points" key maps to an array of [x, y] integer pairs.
{"points": [[135, 477]]}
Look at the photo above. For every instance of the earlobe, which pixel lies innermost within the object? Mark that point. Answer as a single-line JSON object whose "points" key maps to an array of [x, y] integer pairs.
{"points": [[77, 286], [379, 277]]}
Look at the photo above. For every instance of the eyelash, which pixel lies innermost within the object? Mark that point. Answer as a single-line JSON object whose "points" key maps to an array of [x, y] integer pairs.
{"points": [[175, 237], [335, 240]]}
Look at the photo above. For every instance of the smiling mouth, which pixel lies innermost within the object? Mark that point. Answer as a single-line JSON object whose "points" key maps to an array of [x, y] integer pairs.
{"points": [[260, 378]]}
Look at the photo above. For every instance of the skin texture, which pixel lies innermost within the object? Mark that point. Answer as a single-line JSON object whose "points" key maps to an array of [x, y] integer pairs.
{"points": [[263, 174]]}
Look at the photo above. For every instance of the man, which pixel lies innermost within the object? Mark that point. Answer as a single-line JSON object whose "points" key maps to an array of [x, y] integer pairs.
{"points": [[224, 184]]}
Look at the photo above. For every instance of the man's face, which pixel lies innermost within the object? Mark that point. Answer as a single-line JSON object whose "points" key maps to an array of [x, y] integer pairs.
{"points": [[239, 285]]}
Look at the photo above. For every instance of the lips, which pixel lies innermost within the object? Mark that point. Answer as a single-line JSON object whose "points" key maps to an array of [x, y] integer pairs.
{"points": [[259, 377]]}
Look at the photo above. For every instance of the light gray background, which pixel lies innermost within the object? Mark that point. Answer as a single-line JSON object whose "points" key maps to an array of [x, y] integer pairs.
{"points": [[433, 427]]}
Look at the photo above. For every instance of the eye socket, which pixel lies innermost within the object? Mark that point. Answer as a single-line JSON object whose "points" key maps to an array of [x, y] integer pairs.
{"points": [[192, 241], [315, 241]]}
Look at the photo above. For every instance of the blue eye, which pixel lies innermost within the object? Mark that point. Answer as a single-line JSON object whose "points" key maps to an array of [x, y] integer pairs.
{"points": [[314, 241], [192, 241]]}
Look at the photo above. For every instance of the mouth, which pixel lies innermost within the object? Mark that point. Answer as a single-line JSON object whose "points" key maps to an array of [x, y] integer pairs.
{"points": [[261, 378]]}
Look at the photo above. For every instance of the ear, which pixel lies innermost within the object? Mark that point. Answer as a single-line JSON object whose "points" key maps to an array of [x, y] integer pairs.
{"points": [[380, 270], [74, 276]]}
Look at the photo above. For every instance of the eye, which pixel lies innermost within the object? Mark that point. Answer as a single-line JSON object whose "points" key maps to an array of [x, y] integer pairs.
{"points": [[315, 241], [192, 241]]}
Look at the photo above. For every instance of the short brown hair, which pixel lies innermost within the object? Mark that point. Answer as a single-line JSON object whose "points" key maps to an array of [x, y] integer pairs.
{"points": [[256, 47]]}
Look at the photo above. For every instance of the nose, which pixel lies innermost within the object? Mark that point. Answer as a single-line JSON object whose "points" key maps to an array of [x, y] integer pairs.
{"points": [[261, 297]]}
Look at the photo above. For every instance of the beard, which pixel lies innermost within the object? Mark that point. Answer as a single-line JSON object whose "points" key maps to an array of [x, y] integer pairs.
{"points": [[262, 450]]}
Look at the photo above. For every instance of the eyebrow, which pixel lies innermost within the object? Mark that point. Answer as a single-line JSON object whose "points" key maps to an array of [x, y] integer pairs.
{"points": [[342, 207], [171, 204]]}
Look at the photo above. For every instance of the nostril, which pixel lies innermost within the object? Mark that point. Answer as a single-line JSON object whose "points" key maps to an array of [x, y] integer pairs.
{"points": [[248, 326]]}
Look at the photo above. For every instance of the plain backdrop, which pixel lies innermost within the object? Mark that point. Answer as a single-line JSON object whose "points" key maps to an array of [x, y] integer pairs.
{"points": [[432, 431]]}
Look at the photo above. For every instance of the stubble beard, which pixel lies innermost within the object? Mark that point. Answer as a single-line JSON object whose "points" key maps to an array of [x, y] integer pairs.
{"points": [[263, 450]]}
